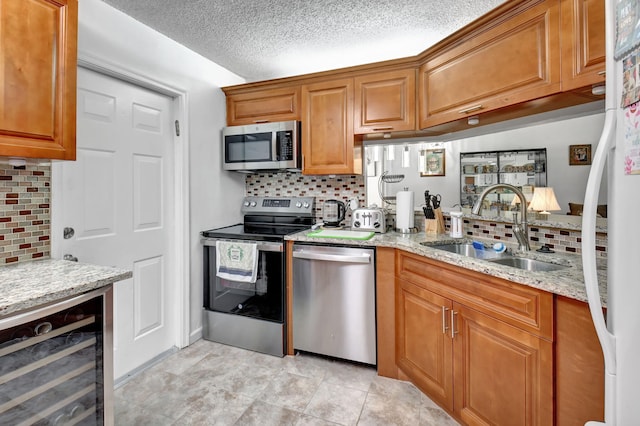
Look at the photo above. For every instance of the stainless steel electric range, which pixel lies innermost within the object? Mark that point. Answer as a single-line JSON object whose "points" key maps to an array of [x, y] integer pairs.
{"points": [[252, 315]]}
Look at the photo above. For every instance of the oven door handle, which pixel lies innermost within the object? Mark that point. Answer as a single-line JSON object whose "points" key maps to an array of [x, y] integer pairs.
{"points": [[262, 246]]}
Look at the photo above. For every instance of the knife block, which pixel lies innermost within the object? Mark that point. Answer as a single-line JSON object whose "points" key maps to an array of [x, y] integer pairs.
{"points": [[434, 226]]}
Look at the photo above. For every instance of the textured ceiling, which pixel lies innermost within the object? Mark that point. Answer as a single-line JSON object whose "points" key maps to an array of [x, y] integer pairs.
{"points": [[265, 39]]}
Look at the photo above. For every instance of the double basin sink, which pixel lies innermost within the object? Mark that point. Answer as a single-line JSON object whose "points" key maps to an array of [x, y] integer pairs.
{"points": [[525, 263]]}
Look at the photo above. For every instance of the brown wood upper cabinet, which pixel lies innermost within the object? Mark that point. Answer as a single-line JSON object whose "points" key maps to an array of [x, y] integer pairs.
{"points": [[262, 106], [583, 48], [38, 55], [512, 62], [328, 143], [479, 346], [385, 102]]}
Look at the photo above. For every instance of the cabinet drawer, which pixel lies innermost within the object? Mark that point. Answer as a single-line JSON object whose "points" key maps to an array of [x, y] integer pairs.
{"points": [[524, 307]]}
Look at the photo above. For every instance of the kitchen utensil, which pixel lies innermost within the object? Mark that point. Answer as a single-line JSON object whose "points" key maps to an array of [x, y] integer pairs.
{"points": [[333, 213], [435, 201]]}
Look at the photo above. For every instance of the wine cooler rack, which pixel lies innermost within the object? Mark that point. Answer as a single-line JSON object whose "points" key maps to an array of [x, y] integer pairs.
{"points": [[52, 364]]}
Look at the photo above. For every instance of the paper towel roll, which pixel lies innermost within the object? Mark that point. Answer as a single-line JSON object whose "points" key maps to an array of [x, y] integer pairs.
{"points": [[404, 211]]}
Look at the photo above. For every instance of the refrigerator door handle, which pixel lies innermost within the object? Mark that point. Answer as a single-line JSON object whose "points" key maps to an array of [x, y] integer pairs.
{"points": [[607, 340]]}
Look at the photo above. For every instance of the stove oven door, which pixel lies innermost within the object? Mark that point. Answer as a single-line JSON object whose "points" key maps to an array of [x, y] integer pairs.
{"points": [[263, 299], [247, 315]]}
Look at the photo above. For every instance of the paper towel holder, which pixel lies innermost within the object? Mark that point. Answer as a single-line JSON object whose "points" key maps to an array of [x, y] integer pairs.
{"points": [[413, 230], [410, 230]]}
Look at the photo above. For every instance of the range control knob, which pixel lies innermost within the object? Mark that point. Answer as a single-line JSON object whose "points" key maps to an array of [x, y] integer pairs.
{"points": [[376, 225], [298, 204], [253, 204], [306, 205], [246, 204], [356, 224]]}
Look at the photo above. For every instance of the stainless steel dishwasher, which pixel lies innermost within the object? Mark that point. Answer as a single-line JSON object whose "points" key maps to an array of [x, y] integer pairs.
{"points": [[334, 308]]}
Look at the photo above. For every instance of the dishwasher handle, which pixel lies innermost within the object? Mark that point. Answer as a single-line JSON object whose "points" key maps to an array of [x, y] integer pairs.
{"points": [[363, 258]]}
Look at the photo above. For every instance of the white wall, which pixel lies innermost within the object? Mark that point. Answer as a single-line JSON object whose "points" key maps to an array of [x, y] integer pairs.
{"points": [[112, 37], [569, 182]]}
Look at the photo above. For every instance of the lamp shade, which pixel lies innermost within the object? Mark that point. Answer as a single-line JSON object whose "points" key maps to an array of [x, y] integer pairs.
{"points": [[544, 199]]}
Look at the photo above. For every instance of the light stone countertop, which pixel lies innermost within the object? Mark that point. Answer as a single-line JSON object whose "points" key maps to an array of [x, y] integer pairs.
{"points": [[567, 282], [27, 285]]}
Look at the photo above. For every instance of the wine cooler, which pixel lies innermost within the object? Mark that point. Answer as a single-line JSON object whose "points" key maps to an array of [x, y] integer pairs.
{"points": [[56, 363]]}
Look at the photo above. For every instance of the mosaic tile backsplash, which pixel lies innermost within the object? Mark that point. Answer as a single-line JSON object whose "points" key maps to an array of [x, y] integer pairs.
{"points": [[343, 188], [24, 213], [560, 240]]}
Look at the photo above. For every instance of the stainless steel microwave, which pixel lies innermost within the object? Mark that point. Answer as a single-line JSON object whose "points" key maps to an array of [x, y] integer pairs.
{"points": [[263, 146]]}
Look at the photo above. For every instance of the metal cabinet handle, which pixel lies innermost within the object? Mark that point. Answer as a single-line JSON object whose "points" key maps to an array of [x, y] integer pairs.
{"points": [[364, 258], [453, 324], [260, 121], [602, 72], [378, 129], [444, 320], [470, 109]]}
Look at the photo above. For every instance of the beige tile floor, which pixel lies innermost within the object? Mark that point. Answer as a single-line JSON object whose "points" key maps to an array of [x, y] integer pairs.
{"points": [[213, 384]]}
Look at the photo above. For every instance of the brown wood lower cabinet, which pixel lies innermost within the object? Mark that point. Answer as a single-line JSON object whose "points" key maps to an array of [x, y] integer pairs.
{"points": [[423, 346], [474, 362], [502, 375], [579, 365]]}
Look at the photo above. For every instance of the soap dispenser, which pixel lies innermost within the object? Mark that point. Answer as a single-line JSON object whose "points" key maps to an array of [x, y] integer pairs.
{"points": [[456, 225]]}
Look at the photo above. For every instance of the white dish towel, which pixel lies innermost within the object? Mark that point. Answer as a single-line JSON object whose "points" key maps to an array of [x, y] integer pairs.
{"points": [[237, 261]]}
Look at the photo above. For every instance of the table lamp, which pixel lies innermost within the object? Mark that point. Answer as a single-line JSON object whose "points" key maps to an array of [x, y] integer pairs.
{"points": [[544, 199]]}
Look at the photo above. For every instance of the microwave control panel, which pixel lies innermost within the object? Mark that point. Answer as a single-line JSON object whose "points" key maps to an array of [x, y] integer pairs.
{"points": [[285, 145]]}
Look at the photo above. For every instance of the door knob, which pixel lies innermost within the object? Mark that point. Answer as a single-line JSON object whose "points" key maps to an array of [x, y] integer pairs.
{"points": [[68, 232], [70, 257]]}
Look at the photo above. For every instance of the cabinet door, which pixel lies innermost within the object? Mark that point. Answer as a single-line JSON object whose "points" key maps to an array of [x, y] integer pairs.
{"points": [[579, 365], [385, 102], [513, 62], [502, 375], [423, 342], [263, 106], [583, 48], [327, 129], [38, 78]]}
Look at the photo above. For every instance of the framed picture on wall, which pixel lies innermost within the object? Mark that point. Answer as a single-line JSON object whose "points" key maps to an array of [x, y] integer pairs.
{"points": [[434, 162], [579, 155]]}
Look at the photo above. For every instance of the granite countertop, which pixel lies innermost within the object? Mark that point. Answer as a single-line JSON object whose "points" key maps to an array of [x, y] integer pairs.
{"points": [[30, 284], [567, 282]]}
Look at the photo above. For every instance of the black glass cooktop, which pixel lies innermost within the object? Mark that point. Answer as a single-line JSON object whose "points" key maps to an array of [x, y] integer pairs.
{"points": [[272, 229]]}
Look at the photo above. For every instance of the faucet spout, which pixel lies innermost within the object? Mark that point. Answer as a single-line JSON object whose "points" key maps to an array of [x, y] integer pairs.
{"points": [[520, 230]]}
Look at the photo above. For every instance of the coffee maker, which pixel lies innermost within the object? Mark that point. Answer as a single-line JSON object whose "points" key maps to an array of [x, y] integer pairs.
{"points": [[333, 212]]}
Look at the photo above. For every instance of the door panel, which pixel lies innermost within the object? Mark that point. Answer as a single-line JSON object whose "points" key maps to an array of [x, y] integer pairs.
{"points": [[118, 196], [148, 303], [503, 375], [423, 343]]}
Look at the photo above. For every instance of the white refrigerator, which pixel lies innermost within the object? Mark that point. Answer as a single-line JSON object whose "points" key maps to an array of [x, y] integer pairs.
{"points": [[618, 155]]}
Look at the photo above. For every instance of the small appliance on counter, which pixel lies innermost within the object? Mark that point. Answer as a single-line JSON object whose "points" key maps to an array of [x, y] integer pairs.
{"points": [[369, 219], [333, 212]]}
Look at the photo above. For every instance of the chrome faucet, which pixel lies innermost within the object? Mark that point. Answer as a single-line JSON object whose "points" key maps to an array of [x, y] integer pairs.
{"points": [[520, 230]]}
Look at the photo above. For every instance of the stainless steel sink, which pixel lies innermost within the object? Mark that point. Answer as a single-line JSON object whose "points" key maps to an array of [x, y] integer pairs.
{"points": [[528, 264], [465, 249]]}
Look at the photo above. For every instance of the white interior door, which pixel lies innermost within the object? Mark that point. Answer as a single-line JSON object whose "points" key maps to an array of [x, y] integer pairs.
{"points": [[118, 198]]}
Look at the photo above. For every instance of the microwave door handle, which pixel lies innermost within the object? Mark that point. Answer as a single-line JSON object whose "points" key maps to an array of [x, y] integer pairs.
{"points": [[275, 145]]}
